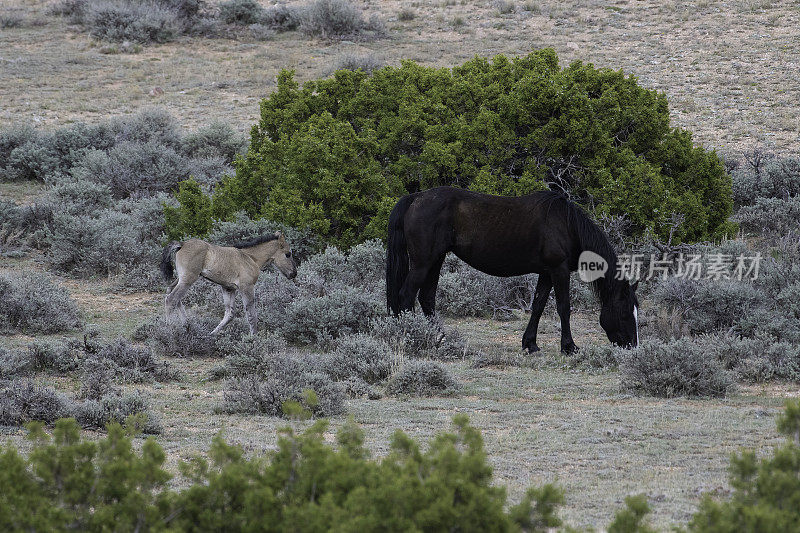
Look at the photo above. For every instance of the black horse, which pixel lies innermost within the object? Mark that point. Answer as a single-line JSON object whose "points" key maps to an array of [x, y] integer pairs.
{"points": [[504, 236]]}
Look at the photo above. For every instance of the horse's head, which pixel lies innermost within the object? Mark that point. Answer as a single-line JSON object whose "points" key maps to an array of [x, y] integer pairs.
{"points": [[283, 258], [619, 316]]}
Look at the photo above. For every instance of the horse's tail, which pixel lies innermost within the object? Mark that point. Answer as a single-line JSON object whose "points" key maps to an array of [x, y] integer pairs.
{"points": [[167, 258], [396, 254]]}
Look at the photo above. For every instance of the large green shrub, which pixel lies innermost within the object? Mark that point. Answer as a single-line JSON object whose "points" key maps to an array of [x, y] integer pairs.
{"points": [[333, 154]]}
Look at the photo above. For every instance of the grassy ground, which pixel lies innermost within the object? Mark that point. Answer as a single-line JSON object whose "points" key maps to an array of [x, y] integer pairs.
{"points": [[541, 422], [728, 68]]}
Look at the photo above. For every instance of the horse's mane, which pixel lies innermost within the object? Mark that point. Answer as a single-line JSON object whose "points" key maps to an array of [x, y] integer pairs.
{"points": [[256, 241], [590, 237]]}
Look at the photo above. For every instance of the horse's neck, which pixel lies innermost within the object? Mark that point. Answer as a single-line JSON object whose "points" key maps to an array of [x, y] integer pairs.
{"points": [[260, 253]]}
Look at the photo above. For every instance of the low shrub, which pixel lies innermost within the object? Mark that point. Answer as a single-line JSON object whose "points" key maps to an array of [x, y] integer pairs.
{"points": [[136, 168], [141, 22], [25, 225], [332, 19], [217, 139], [595, 356], [134, 363], [416, 336], [359, 356], [757, 359], [80, 197], [765, 176], [321, 319], [350, 61], [44, 355], [671, 369], [253, 395], [243, 12], [190, 340], [32, 302], [422, 378], [708, 306], [14, 363], [116, 407], [23, 401], [253, 355], [283, 17], [362, 266], [771, 217]]}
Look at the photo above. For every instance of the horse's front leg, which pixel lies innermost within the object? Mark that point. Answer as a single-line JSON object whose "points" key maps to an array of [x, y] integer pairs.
{"points": [[249, 303], [560, 279], [543, 287], [229, 297]]}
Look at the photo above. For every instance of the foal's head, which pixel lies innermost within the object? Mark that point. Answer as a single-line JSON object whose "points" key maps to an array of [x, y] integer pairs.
{"points": [[282, 258], [619, 316]]}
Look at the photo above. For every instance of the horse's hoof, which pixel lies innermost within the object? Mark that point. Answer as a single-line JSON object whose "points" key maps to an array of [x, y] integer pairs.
{"points": [[569, 348], [531, 348]]}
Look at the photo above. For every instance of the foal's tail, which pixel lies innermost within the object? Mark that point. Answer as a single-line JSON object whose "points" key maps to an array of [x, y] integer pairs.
{"points": [[396, 254], [167, 259]]}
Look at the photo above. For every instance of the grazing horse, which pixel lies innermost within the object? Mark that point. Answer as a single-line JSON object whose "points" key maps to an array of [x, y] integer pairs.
{"points": [[504, 236], [232, 267]]}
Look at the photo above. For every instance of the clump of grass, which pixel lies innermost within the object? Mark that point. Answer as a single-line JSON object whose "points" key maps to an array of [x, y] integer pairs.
{"points": [[406, 15], [422, 378]]}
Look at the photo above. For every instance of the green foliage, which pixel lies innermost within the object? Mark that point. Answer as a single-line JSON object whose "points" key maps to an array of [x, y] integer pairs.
{"points": [[332, 154], [766, 493], [67, 482], [631, 519], [70, 483], [192, 217]]}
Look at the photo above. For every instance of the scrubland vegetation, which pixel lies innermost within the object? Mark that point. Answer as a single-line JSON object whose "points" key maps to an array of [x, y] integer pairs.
{"points": [[323, 165]]}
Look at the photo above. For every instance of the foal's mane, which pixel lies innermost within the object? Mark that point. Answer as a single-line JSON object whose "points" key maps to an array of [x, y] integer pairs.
{"points": [[256, 241], [590, 237]]}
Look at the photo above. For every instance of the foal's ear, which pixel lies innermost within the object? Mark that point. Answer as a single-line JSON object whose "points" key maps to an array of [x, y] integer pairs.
{"points": [[635, 285], [279, 235]]}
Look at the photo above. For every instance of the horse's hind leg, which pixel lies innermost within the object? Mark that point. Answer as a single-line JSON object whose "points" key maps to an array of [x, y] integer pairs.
{"points": [[543, 287], [229, 297], [173, 300], [427, 293], [249, 303]]}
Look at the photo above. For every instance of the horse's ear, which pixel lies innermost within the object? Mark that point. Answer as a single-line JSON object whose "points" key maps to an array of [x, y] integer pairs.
{"points": [[279, 235], [635, 285]]}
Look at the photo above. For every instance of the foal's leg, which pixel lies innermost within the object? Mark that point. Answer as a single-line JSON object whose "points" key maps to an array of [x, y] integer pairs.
{"points": [[561, 283], [173, 299], [543, 286], [249, 303], [229, 297]]}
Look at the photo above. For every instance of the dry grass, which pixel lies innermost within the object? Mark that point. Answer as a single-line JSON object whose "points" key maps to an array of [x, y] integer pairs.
{"points": [[728, 68]]}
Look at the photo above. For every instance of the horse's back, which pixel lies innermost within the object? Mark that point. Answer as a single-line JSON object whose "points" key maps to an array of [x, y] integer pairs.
{"points": [[500, 235]]}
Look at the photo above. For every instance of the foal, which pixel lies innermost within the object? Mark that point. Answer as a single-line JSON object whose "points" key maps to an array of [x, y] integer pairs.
{"points": [[231, 267]]}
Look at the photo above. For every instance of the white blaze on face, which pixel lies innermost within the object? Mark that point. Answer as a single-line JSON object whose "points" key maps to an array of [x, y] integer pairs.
{"points": [[636, 319]]}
